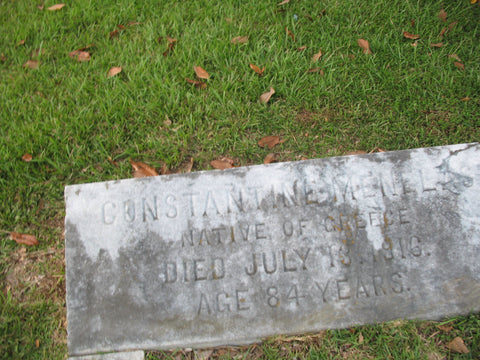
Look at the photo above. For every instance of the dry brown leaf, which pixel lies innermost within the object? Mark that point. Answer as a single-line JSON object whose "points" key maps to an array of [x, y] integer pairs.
{"points": [[201, 73], [459, 65], [289, 33], [21, 42], [198, 84], [134, 23], [442, 15], [473, 2], [466, 99], [27, 157], [437, 45], [445, 328], [189, 166], [3, 58], [239, 40], [414, 44], [314, 70], [32, 64], [142, 170], [457, 345], [455, 57], [113, 162], [24, 239], [221, 164], [113, 34], [56, 7], [171, 45], [284, 2], [360, 338], [114, 71], [80, 55], [301, 48], [257, 69], [317, 56], [410, 36], [364, 44], [37, 343], [40, 7], [452, 25], [272, 157], [270, 141], [442, 32], [265, 97]]}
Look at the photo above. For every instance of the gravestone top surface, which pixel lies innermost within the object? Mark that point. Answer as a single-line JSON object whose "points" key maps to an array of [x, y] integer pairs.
{"points": [[230, 257]]}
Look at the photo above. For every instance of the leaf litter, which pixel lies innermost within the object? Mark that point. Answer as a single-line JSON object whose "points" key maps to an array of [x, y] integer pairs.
{"points": [[270, 141], [142, 170], [265, 97], [201, 73], [364, 45], [257, 69]]}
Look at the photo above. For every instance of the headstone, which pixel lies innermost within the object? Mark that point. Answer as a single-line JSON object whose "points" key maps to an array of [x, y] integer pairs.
{"points": [[230, 257]]}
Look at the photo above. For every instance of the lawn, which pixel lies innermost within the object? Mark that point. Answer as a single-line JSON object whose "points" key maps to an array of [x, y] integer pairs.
{"points": [[66, 119]]}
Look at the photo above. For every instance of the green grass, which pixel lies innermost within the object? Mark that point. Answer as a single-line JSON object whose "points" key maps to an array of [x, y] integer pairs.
{"points": [[71, 117]]}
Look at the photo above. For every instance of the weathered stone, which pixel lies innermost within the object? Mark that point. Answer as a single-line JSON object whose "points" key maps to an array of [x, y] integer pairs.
{"points": [[229, 257]]}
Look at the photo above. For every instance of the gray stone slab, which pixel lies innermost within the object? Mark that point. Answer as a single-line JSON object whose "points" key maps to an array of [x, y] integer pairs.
{"points": [[229, 257], [128, 355]]}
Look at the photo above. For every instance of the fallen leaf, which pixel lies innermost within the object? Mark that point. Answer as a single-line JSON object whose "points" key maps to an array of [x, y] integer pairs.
{"points": [[459, 65], [266, 96], [37, 343], [113, 162], [3, 58], [239, 40], [466, 99], [257, 69], [221, 164], [80, 55], [454, 56], [142, 170], [413, 22], [457, 345], [301, 48], [270, 141], [442, 15], [473, 2], [113, 34], [21, 42], [410, 36], [360, 338], [24, 239], [442, 32], [56, 7], [27, 157], [379, 150], [32, 64], [203, 354], [134, 23], [201, 73], [315, 70], [40, 7], [445, 328], [189, 166], [114, 71], [317, 56], [198, 84], [270, 158], [452, 25], [364, 45], [437, 45], [171, 45], [164, 170], [289, 33], [284, 2], [414, 44]]}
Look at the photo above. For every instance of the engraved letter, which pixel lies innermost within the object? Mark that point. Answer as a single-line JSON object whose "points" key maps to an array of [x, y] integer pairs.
{"points": [[241, 301], [146, 206], [129, 210], [342, 296], [172, 212], [108, 220], [260, 231], [303, 258], [218, 267], [203, 303], [265, 267], [191, 202], [199, 270], [285, 268], [323, 291], [170, 276], [254, 267]]}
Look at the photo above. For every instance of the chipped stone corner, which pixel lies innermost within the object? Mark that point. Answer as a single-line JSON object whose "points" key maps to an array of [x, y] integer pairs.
{"points": [[125, 355]]}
